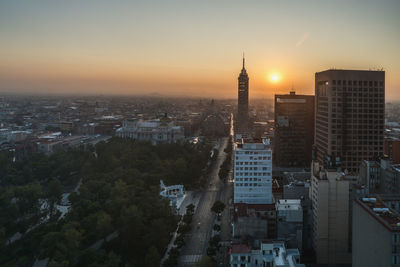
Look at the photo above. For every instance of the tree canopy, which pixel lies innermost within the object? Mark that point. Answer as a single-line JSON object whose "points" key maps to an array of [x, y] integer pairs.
{"points": [[218, 207], [117, 217]]}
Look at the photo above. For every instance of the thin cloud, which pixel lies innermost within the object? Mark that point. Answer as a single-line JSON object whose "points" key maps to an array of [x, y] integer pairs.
{"points": [[303, 38]]}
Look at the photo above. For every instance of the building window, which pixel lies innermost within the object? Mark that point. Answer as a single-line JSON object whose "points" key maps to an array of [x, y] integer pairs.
{"points": [[395, 259]]}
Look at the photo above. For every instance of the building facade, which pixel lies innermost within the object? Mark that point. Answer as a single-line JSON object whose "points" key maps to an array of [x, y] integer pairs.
{"points": [[392, 149], [289, 215], [174, 193], [349, 117], [330, 205], [254, 220], [376, 231], [265, 254], [380, 176], [253, 172], [294, 130], [155, 131]]}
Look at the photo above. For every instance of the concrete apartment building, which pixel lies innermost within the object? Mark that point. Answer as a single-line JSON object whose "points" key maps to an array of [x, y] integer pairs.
{"points": [[380, 176], [254, 220], [392, 149], [370, 176], [289, 215], [329, 194], [253, 172], [376, 231], [265, 254], [294, 130], [349, 117]]}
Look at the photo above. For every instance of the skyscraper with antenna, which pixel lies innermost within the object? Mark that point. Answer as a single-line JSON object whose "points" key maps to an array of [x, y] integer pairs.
{"points": [[242, 119]]}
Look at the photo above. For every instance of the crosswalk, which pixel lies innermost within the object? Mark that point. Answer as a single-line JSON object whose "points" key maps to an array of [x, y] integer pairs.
{"points": [[185, 259]]}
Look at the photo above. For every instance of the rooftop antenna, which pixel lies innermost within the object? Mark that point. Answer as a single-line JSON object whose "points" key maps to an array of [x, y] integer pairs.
{"points": [[243, 60]]}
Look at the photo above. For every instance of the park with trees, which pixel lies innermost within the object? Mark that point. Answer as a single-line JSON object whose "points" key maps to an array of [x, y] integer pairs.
{"points": [[117, 205]]}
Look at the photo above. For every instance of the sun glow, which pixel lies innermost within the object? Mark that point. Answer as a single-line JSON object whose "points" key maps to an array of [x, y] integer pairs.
{"points": [[274, 78]]}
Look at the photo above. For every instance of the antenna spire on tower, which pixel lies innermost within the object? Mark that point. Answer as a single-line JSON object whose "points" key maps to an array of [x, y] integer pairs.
{"points": [[243, 60]]}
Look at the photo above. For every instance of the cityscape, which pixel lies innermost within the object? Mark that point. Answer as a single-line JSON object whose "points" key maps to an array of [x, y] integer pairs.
{"points": [[263, 155]]}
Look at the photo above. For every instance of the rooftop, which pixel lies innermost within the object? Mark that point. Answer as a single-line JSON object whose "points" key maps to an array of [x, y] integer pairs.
{"points": [[252, 143], [381, 211], [241, 248], [288, 204], [270, 251], [344, 70], [250, 210]]}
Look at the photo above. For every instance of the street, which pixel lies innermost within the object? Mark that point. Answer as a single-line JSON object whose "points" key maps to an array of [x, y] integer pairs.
{"points": [[196, 240]]}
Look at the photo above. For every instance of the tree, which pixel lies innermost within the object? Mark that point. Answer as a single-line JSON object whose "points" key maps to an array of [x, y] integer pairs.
{"points": [[218, 207], [112, 260], [72, 238], [211, 251], [184, 228], [172, 258], [54, 263], [179, 241], [214, 241], [152, 258], [190, 209], [119, 193], [205, 261], [187, 219], [2, 237], [28, 198], [54, 191], [48, 242], [104, 225]]}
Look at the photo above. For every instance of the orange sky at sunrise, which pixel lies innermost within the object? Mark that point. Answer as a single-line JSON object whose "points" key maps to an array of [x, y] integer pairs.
{"points": [[192, 48]]}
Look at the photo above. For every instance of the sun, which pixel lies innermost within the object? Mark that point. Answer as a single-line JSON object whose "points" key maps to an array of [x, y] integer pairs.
{"points": [[274, 78]]}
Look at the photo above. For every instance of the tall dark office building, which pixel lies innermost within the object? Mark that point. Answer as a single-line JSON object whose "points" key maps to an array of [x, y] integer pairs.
{"points": [[242, 120], [349, 117], [294, 130]]}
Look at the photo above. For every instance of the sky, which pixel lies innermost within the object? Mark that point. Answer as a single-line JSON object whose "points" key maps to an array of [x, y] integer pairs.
{"points": [[193, 48]]}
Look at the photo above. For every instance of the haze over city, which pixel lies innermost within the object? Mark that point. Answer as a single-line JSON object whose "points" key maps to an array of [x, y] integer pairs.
{"points": [[200, 133], [187, 48]]}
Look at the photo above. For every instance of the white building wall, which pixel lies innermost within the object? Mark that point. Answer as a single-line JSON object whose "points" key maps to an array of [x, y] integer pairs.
{"points": [[269, 254], [152, 131], [253, 173]]}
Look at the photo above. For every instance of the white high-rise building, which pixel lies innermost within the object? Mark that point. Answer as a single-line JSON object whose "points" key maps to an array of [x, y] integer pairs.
{"points": [[253, 172]]}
